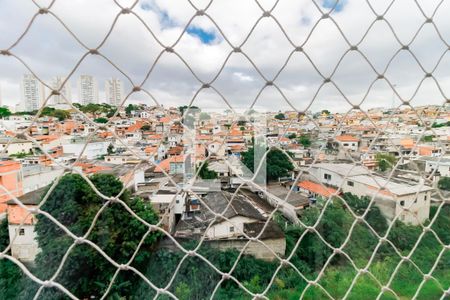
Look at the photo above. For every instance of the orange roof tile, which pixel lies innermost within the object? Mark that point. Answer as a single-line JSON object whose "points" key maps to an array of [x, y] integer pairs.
{"points": [[316, 188]]}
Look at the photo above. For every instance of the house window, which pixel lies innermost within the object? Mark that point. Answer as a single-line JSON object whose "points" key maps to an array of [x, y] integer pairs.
{"points": [[22, 231], [402, 203], [231, 228], [327, 176], [350, 183]]}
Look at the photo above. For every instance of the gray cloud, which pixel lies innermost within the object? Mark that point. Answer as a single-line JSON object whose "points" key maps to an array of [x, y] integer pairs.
{"points": [[50, 50]]}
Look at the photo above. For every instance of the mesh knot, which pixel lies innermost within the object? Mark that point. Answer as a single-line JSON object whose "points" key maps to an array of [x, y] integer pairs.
{"points": [[200, 12], [169, 49], [299, 49], [354, 48], [43, 11], [426, 277], [5, 52], [380, 17], [55, 93], [191, 253], [356, 106], [123, 267], [405, 47], [93, 51], [126, 11], [325, 16], [364, 271], [337, 251], [427, 228], [136, 89], [79, 241], [284, 262], [226, 276], [34, 210], [47, 283], [383, 240], [237, 49], [326, 80], [266, 14], [206, 86], [427, 75], [380, 76], [405, 102], [268, 83], [429, 20]]}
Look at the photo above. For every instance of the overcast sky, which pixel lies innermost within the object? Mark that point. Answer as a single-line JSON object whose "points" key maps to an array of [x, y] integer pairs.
{"points": [[50, 50]]}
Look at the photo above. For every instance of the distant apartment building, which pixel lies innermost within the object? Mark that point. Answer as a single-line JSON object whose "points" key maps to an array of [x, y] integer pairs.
{"points": [[114, 91], [65, 91], [87, 89], [11, 182], [33, 93]]}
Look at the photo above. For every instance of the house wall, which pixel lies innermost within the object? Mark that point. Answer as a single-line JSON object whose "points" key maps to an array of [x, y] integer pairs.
{"points": [[40, 179], [11, 180], [14, 148], [443, 168], [23, 247], [93, 150], [221, 230]]}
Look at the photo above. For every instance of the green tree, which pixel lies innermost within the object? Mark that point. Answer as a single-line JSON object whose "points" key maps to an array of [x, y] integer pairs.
{"points": [[305, 141], [206, 173], [325, 112], [60, 114], [86, 273], [4, 112], [292, 136], [146, 127], [110, 149], [101, 120], [280, 116], [277, 163], [385, 161], [427, 138], [444, 183]]}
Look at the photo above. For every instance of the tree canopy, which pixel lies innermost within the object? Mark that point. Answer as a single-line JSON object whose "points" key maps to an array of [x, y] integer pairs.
{"points": [[4, 112], [277, 163], [87, 273]]}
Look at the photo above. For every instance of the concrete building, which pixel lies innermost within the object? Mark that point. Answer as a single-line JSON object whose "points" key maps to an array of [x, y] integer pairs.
{"points": [[11, 182], [10, 146], [65, 91], [24, 245], [114, 91], [33, 93], [392, 197], [36, 177], [87, 89], [243, 220]]}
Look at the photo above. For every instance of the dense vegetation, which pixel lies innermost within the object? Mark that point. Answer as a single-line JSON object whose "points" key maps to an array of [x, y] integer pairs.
{"points": [[444, 183], [86, 273], [277, 163]]}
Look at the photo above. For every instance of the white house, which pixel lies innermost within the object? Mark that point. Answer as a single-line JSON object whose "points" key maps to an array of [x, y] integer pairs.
{"points": [[391, 196]]}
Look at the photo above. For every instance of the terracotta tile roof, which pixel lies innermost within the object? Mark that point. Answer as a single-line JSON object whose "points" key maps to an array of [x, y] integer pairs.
{"points": [[347, 138], [316, 188]]}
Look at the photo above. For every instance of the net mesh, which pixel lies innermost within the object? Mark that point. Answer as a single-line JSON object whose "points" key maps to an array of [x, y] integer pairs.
{"points": [[295, 47]]}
